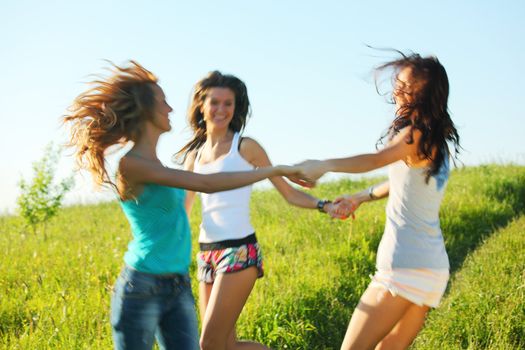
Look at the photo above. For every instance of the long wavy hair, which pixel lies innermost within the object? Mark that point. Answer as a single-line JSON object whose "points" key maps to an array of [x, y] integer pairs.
{"points": [[426, 109], [196, 118], [111, 112]]}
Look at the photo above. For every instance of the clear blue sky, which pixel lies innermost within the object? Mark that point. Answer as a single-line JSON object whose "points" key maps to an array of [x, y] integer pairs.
{"points": [[305, 64]]}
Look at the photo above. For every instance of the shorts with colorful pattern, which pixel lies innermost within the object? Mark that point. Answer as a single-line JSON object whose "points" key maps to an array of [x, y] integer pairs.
{"points": [[228, 259]]}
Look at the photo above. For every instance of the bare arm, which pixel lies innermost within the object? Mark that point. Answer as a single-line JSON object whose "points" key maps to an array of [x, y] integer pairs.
{"points": [[253, 152], [190, 195], [375, 192], [138, 171], [397, 149], [346, 205]]}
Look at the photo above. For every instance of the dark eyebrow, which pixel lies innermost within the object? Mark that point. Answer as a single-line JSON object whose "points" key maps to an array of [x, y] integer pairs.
{"points": [[214, 99]]}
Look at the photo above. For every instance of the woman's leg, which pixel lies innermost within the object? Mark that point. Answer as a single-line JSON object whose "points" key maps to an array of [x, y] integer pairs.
{"points": [[226, 300], [405, 331], [204, 297], [375, 316]]}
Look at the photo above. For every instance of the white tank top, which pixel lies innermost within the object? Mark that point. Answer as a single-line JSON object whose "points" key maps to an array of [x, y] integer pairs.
{"points": [[412, 237], [225, 215]]}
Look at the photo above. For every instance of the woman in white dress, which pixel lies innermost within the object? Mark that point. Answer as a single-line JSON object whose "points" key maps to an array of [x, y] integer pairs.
{"points": [[412, 263]]}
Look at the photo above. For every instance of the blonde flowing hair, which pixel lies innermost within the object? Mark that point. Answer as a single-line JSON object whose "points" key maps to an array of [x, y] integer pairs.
{"points": [[111, 112]]}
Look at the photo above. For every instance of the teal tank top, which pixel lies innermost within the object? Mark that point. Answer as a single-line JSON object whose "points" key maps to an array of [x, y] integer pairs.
{"points": [[161, 231]]}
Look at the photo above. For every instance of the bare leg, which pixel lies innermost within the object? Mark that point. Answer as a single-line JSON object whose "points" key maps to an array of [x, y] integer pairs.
{"points": [[204, 297], [405, 331], [224, 305], [374, 317]]}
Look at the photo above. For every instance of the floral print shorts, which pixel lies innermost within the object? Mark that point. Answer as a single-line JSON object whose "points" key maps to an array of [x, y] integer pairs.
{"points": [[227, 260]]}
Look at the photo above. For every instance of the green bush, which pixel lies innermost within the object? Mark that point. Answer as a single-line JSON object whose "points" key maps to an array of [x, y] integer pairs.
{"points": [[40, 199]]}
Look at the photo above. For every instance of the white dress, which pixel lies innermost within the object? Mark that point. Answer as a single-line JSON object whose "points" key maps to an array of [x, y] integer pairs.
{"points": [[411, 260]]}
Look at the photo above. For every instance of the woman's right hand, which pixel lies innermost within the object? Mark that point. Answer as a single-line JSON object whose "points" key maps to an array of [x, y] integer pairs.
{"points": [[295, 174], [313, 169], [345, 206]]}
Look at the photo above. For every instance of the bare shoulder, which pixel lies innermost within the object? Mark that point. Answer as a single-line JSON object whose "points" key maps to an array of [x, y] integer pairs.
{"points": [[252, 151], [130, 167], [126, 181], [190, 160], [249, 143], [412, 138], [126, 163], [408, 135], [402, 146], [139, 169]]}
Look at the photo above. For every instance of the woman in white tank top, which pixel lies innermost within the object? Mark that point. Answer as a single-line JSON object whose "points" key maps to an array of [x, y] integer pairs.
{"points": [[217, 115], [412, 264]]}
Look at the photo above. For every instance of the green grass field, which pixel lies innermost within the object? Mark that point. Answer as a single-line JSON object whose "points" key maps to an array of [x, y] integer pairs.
{"points": [[54, 293]]}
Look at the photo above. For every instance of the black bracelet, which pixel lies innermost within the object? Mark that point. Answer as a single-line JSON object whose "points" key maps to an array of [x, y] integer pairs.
{"points": [[321, 203], [371, 193]]}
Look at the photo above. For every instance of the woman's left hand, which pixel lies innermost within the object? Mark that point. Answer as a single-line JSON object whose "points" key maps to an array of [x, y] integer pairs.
{"points": [[346, 205], [336, 212]]}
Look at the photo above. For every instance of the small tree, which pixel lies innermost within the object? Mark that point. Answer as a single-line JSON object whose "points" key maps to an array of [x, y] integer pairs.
{"points": [[40, 199]]}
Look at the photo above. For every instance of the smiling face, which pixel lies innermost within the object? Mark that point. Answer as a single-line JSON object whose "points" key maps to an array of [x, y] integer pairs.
{"points": [[162, 110], [218, 108]]}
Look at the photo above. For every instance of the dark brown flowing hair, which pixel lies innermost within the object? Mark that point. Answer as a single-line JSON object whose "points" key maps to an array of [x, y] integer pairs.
{"points": [[111, 112], [196, 118], [426, 109]]}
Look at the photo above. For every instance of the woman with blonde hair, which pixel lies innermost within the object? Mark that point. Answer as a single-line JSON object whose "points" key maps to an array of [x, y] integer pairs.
{"points": [[152, 297]]}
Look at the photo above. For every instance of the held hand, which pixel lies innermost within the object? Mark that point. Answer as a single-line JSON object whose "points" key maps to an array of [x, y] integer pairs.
{"points": [[312, 169], [294, 174], [335, 212], [346, 205]]}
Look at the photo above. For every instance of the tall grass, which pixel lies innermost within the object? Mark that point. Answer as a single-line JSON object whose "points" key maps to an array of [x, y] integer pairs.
{"points": [[54, 294]]}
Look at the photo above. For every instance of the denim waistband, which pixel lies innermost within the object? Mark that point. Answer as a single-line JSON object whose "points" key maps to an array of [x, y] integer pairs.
{"points": [[130, 272], [229, 243]]}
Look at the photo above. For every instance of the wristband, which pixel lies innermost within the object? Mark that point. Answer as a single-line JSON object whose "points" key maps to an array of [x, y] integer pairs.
{"points": [[321, 203], [371, 193]]}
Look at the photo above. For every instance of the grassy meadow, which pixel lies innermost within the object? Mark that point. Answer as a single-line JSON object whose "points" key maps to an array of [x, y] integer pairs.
{"points": [[54, 293]]}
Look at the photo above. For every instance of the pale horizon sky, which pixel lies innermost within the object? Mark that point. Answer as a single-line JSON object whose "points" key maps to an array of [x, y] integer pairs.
{"points": [[305, 63]]}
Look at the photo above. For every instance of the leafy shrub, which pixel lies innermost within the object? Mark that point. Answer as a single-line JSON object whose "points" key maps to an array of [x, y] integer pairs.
{"points": [[40, 199]]}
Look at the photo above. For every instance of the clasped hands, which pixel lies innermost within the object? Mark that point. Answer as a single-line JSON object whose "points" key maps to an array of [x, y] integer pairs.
{"points": [[342, 207], [308, 172]]}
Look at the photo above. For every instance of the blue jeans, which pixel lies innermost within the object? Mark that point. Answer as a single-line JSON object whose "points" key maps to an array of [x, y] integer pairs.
{"points": [[147, 306]]}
